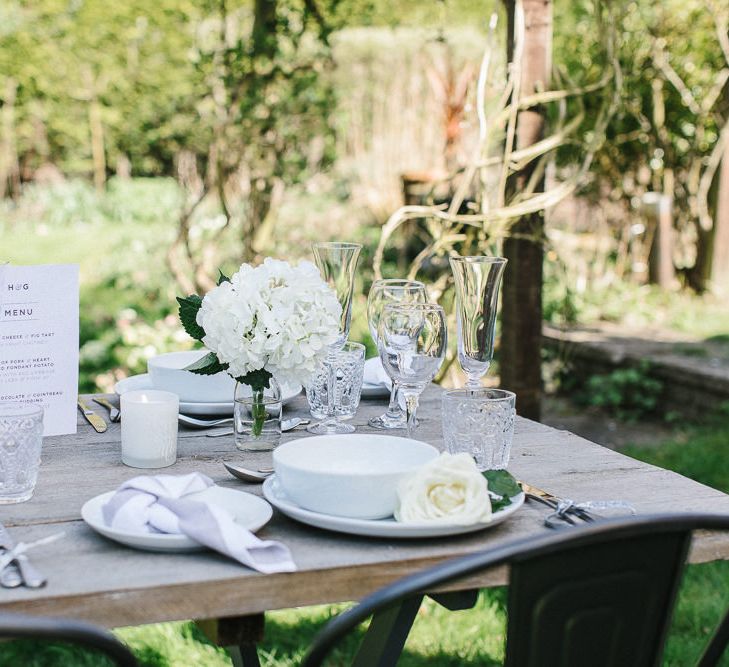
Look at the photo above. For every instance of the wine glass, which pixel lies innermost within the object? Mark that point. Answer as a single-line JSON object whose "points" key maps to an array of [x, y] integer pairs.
{"points": [[412, 342], [385, 292], [337, 263], [477, 295]]}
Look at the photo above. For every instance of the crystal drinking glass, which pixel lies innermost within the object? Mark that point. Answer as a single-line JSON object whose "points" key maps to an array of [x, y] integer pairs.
{"points": [[21, 439], [350, 369], [412, 343], [477, 294], [480, 422], [382, 293], [337, 263]]}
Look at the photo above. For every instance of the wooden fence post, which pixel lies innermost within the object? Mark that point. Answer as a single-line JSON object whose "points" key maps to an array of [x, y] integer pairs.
{"points": [[521, 335]]}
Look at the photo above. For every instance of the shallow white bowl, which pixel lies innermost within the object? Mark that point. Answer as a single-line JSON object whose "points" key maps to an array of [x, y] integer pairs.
{"points": [[167, 373], [353, 476]]}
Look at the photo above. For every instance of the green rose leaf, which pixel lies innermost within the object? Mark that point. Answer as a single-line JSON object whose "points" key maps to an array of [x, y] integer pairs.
{"points": [[189, 306], [207, 365], [501, 483]]}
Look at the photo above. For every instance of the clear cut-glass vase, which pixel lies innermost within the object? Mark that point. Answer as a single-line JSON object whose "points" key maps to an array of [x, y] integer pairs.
{"points": [[257, 417]]}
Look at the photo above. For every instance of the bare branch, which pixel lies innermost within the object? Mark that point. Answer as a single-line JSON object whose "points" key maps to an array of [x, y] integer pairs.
{"points": [[707, 177]]}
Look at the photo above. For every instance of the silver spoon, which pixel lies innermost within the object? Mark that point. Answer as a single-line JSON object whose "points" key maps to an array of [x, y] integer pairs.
{"points": [[248, 475], [203, 423], [286, 425]]}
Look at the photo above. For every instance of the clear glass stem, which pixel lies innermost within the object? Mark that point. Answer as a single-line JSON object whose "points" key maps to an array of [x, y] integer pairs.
{"points": [[393, 409], [411, 407], [473, 381]]}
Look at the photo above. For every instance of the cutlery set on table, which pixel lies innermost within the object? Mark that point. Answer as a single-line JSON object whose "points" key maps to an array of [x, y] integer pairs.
{"points": [[15, 566], [100, 426]]}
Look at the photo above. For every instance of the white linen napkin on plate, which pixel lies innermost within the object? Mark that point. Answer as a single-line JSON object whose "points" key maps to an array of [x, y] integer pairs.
{"points": [[158, 504], [375, 374]]}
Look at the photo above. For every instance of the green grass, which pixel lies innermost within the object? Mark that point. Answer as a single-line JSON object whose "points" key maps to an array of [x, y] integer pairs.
{"points": [[701, 454]]}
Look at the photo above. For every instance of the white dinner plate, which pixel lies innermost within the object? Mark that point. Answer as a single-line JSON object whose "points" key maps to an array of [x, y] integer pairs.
{"points": [[248, 510], [144, 381], [374, 390], [273, 492]]}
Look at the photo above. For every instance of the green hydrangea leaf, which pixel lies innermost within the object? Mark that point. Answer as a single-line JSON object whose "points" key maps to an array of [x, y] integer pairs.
{"points": [[256, 380], [189, 305], [207, 365], [222, 278]]}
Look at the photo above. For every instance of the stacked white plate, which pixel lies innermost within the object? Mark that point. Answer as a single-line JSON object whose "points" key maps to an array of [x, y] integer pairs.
{"points": [[199, 394]]}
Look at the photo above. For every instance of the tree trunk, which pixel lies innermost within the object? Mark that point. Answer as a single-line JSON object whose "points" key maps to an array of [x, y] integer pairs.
{"points": [[720, 250], [97, 143], [711, 269], [9, 165], [521, 315]]}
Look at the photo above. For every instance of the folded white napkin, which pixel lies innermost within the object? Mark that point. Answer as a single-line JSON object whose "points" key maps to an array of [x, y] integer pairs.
{"points": [[157, 504], [375, 374]]}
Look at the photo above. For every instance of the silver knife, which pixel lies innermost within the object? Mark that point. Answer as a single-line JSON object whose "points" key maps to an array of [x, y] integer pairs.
{"points": [[91, 417], [114, 414], [31, 577]]}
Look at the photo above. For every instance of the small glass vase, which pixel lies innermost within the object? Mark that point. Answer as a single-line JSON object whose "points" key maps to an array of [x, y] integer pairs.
{"points": [[257, 417]]}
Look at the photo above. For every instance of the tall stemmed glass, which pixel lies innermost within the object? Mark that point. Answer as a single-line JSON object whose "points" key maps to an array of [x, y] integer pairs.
{"points": [[382, 293], [337, 263], [477, 294], [413, 341]]}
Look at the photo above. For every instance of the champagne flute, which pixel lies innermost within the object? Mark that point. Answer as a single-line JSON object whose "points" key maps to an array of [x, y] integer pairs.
{"points": [[382, 293], [477, 295], [337, 263], [413, 340]]}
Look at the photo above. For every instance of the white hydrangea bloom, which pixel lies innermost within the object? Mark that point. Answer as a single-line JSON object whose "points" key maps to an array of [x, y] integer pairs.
{"points": [[274, 316]]}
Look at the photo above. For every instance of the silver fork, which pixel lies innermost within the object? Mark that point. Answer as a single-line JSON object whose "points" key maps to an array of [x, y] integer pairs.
{"points": [[20, 570]]}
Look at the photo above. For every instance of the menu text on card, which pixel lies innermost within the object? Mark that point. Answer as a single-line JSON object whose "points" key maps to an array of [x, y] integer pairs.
{"points": [[39, 341]]}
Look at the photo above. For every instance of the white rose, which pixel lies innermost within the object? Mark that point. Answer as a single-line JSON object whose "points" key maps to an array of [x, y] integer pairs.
{"points": [[449, 489]]}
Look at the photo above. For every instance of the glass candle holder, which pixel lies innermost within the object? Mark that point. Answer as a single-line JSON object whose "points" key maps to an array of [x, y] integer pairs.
{"points": [[21, 438], [149, 428]]}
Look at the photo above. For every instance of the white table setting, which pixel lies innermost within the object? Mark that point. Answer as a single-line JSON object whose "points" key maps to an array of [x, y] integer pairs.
{"points": [[266, 334]]}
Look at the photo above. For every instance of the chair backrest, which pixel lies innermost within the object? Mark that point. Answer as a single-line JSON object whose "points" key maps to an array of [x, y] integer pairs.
{"points": [[22, 626], [600, 595]]}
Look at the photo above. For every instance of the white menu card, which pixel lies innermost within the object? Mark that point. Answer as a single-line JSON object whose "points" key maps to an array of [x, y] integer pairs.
{"points": [[39, 341]]}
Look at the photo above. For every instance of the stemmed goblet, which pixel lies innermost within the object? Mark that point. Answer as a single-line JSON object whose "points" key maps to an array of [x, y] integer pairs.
{"points": [[337, 263], [477, 294], [382, 293], [412, 344]]}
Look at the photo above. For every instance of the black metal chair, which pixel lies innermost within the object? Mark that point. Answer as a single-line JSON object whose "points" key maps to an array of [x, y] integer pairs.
{"points": [[598, 595], [22, 626]]}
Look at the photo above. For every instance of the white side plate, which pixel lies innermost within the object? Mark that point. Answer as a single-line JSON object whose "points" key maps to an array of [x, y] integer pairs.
{"points": [[248, 510], [380, 527], [144, 381]]}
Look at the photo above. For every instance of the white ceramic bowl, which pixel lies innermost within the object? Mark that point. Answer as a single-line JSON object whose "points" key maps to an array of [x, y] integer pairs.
{"points": [[167, 373], [353, 476]]}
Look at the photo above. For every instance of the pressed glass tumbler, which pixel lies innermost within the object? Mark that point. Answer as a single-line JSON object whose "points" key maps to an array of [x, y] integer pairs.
{"points": [[480, 422], [21, 438]]}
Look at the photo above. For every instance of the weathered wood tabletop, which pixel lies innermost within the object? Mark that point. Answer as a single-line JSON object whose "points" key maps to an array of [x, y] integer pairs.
{"points": [[96, 579]]}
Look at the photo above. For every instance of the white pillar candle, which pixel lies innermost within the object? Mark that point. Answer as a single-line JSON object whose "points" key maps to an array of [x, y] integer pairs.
{"points": [[149, 428]]}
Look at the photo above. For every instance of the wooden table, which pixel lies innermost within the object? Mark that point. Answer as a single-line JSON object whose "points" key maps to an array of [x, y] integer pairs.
{"points": [[96, 579]]}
